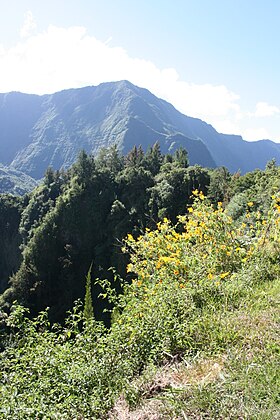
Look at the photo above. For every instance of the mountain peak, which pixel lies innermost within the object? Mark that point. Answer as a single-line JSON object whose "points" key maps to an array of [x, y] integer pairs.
{"points": [[50, 130]]}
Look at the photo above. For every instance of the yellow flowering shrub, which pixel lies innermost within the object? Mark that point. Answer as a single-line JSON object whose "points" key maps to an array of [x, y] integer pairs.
{"points": [[185, 272], [205, 245]]}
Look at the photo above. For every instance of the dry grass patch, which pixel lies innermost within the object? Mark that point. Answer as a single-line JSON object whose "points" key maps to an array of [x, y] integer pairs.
{"points": [[154, 385]]}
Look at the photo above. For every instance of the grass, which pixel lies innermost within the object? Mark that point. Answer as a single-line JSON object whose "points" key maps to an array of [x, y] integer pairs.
{"points": [[229, 379]]}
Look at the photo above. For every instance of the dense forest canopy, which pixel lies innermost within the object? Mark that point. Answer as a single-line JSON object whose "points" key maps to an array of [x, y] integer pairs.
{"points": [[50, 237]]}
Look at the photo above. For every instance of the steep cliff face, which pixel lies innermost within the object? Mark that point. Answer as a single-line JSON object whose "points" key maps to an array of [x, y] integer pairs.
{"points": [[50, 130], [15, 182], [18, 115]]}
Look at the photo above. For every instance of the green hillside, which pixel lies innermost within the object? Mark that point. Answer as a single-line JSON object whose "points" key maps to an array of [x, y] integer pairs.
{"points": [[191, 322]]}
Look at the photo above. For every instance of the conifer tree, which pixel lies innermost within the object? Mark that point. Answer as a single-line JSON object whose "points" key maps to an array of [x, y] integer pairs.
{"points": [[181, 157], [88, 307]]}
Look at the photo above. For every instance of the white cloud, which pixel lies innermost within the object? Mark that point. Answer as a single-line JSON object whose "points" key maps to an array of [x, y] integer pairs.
{"points": [[263, 109], [227, 126], [29, 25], [62, 58], [252, 134]]}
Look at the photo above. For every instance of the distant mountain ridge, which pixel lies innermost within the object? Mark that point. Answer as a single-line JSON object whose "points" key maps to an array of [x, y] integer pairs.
{"points": [[50, 130], [15, 182]]}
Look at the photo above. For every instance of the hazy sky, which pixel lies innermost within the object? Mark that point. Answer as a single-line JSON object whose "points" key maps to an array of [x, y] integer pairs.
{"points": [[217, 60]]}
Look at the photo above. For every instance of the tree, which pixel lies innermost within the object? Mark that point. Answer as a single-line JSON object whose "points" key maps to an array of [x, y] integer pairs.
{"points": [[110, 159], [199, 179], [153, 159], [10, 239], [181, 157], [135, 157], [88, 307], [219, 188], [83, 168]]}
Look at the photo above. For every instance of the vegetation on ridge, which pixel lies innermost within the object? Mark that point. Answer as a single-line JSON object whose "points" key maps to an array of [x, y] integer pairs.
{"points": [[191, 331], [75, 218], [193, 336], [80, 216]]}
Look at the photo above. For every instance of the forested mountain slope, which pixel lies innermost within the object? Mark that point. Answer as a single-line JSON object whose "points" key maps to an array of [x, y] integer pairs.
{"points": [[194, 330], [75, 218], [79, 217]]}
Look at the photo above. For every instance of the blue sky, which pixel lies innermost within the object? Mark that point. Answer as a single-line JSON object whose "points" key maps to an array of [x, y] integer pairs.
{"points": [[217, 60]]}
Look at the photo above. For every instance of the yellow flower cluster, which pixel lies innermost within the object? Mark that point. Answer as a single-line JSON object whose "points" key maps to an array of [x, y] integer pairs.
{"points": [[205, 245]]}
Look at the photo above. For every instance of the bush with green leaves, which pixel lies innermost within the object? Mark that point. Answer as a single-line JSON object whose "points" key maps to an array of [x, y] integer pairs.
{"points": [[191, 284]]}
